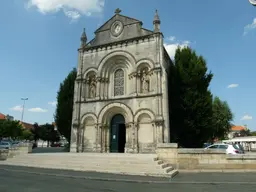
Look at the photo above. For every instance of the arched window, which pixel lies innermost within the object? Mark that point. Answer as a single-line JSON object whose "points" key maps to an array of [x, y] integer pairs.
{"points": [[119, 82]]}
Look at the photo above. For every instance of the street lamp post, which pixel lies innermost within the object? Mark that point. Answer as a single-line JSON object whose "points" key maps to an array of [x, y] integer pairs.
{"points": [[22, 114], [253, 2]]}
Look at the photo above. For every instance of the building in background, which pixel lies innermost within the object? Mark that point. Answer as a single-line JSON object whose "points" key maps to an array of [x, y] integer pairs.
{"points": [[2, 116], [236, 129], [6, 117], [28, 126]]}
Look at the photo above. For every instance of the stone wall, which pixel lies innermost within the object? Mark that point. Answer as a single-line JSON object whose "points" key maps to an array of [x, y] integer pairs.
{"points": [[202, 159]]}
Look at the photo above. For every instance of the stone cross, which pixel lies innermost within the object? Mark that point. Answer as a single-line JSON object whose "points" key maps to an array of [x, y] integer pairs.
{"points": [[117, 11]]}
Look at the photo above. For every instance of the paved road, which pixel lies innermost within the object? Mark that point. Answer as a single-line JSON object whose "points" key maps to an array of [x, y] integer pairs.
{"points": [[13, 179], [48, 150]]}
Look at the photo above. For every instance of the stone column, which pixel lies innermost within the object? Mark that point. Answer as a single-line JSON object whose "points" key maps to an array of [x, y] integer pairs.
{"points": [[129, 138], [87, 84], [154, 132], [102, 140], [107, 139], [102, 89], [159, 131], [136, 140], [83, 90], [73, 142], [158, 91], [98, 138], [98, 80], [106, 88], [138, 84]]}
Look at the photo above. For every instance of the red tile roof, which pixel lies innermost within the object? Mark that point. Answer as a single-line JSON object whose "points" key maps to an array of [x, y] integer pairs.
{"points": [[237, 128], [27, 125], [2, 116]]}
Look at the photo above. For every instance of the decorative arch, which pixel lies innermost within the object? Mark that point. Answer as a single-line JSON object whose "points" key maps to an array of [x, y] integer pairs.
{"points": [[90, 70], [144, 111], [88, 116], [107, 112], [142, 63], [123, 59]]}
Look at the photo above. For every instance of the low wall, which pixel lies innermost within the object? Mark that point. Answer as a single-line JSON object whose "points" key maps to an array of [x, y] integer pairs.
{"points": [[19, 150], [3, 154], [202, 159]]}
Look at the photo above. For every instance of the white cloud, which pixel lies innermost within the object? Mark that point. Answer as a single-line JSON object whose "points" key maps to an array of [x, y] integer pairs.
{"points": [[71, 8], [232, 86], [250, 27], [17, 108], [246, 117], [74, 15], [53, 103], [37, 110], [171, 38], [171, 47]]}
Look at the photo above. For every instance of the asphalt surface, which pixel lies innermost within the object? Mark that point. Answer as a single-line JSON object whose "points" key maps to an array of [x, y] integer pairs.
{"points": [[48, 150], [13, 179]]}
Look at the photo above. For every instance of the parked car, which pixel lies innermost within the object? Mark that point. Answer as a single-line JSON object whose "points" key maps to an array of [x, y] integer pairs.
{"points": [[230, 149], [55, 145], [239, 147], [5, 145]]}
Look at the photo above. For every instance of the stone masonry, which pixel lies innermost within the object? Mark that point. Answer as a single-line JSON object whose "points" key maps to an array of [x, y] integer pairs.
{"points": [[123, 70]]}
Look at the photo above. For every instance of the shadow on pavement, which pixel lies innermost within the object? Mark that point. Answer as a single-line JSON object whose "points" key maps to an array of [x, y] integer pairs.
{"points": [[49, 150]]}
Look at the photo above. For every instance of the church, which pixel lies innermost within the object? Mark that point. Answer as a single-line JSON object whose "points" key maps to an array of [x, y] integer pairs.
{"points": [[121, 89]]}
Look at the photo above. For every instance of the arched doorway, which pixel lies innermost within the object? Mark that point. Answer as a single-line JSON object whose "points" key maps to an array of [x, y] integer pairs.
{"points": [[117, 134]]}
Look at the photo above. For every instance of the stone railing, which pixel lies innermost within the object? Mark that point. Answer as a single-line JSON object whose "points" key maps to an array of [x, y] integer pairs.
{"points": [[204, 159]]}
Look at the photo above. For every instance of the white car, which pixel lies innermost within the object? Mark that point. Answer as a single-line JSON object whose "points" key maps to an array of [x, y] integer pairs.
{"points": [[230, 149]]}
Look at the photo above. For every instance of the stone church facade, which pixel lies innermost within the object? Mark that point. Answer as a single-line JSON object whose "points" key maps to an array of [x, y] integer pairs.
{"points": [[121, 91]]}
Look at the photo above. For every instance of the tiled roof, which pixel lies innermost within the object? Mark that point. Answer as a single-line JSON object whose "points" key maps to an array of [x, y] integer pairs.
{"points": [[237, 128], [2, 116], [27, 125]]}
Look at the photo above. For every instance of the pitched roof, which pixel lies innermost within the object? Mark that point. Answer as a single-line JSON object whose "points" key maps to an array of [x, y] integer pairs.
{"points": [[126, 20], [27, 125], [237, 128], [2, 116]]}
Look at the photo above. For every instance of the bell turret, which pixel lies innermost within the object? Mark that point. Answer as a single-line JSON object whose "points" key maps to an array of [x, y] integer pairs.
{"points": [[156, 22], [83, 39]]}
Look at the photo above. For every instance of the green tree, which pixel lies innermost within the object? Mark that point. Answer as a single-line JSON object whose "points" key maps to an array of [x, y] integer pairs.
{"points": [[10, 129], [222, 117], [47, 133], [27, 135], [35, 131], [64, 109], [190, 100]]}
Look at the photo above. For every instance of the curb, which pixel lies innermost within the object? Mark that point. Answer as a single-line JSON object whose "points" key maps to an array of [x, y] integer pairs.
{"points": [[160, 175], [170, 181], [85, 177], [218, 171]]}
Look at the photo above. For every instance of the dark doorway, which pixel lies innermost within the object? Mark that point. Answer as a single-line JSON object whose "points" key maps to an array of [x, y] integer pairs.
{"points": [[117, 134]]}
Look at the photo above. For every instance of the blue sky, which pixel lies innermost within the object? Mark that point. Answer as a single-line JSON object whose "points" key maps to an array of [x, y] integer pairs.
{"points": [[39, 41]]}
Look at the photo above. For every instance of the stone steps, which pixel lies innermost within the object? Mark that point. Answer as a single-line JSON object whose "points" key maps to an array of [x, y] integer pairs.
{"points": [[95, 164], [132, 164], [90, 167]]}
